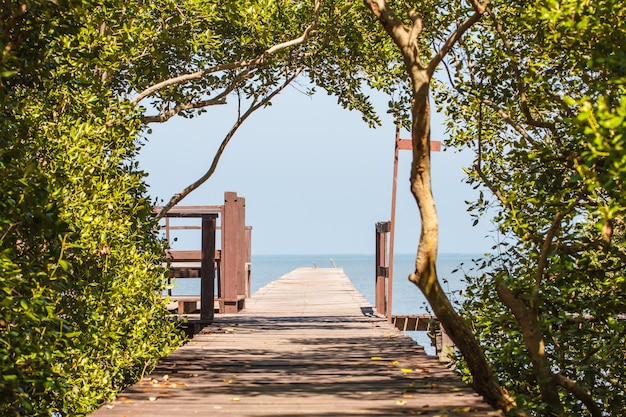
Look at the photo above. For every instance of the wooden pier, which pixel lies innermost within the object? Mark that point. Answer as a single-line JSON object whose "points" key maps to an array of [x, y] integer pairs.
{"points": [[308, 344]]}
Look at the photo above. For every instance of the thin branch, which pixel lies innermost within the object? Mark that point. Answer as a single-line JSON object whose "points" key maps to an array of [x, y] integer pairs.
{"points": [[235, 65], [166, 115], [506, 117], [547, 242], [478, 166], [470, 67], [218, 99], [520, 82], [176, 198], [449, 72], [455, 36]]}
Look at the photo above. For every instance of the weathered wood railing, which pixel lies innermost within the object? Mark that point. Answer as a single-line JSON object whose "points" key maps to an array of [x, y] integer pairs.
{"points": [[227, 263], [410, 322]]}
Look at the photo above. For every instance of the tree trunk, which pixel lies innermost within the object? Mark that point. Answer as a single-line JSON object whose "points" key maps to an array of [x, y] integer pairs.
{"points": [[531, 333], [425, 275]]}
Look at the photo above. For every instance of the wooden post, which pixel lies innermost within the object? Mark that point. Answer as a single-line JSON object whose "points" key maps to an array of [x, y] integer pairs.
{"points": [[248, 260], [207, 268], [446, 349], [401, 144], [233, 253], [382, 269], [242, 249]]}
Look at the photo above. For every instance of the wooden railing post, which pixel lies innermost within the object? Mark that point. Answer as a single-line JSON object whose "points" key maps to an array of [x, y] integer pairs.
{"points": [[233, 280], [248, 259], [207, 268], [382, 268]]}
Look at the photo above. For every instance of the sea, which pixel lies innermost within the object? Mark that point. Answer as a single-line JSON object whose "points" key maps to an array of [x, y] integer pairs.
{"points": [[361, 269]]}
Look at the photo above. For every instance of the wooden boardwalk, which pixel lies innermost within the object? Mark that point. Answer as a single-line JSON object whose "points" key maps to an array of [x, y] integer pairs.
{"points": [[307, 344]]}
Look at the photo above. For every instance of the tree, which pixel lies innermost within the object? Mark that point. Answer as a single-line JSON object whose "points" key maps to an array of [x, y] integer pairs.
{"points": [[420, 64], [538, 93], [282, 43], [81, 265]]}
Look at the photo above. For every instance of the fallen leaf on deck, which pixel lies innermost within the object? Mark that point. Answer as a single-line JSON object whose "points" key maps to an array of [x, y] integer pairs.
{"points": [[235, 399], [376, 358], [401, 402], [152, 398], [462, 410], [406, 370], [394, 362]]}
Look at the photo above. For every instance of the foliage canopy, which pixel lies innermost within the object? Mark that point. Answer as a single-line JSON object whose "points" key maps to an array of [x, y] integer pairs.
{"points": [[80, 81], [539, 94]]}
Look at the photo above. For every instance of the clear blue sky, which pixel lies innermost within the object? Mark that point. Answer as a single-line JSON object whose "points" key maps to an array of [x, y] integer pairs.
{"points": [[315, 177]]}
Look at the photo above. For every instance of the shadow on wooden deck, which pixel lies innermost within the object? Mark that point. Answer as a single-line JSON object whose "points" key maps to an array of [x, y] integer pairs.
{"points": [[316, 364]]}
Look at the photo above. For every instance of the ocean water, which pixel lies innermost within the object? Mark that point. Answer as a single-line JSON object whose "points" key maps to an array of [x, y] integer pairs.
{"points": [[407, 298]]}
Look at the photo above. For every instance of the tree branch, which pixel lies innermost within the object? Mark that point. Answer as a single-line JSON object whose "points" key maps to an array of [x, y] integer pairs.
{"points": [[479, 8], [506, 117], [478, 166], [581, 394], [218, 99], [547, 241], [176, 198], [416, 30], [535, 345], [520, 82], [12, 21], [166, 115], [394, 27], [234, 65]]}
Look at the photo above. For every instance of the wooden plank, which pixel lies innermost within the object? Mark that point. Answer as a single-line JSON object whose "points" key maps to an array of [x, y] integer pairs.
{"points": [[195, 210], [414, 322], [407, 145], [188, 255], [306, 344]]}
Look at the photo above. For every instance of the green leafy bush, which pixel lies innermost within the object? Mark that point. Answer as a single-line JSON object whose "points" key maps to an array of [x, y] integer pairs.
{"points": [[80, 263]]}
